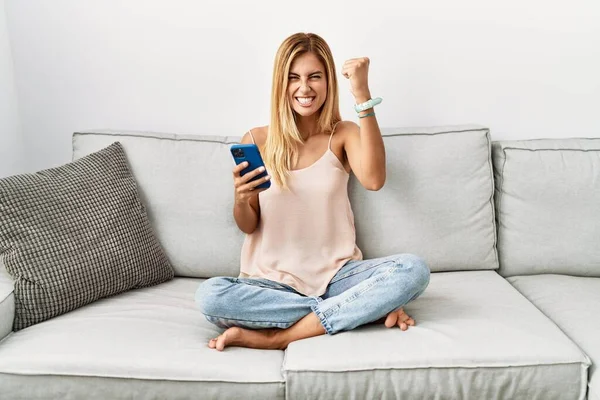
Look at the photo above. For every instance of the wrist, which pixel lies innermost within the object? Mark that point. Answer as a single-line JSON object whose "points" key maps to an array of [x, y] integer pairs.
{"points": [[362, 97]]}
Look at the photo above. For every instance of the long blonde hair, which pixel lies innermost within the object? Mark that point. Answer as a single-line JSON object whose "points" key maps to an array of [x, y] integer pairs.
{"points": [[280, 151]]}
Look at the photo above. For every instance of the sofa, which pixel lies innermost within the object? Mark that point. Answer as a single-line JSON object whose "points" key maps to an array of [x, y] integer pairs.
{"points": [[509, 229]]}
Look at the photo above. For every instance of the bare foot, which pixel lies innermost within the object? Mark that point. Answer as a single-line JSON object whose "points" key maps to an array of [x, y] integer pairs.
{"points": [[399, 318], [254, 339]]}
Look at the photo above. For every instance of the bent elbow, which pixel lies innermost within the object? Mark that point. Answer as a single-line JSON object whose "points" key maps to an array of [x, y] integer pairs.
{"points": [[248, 231], [375, 185]]}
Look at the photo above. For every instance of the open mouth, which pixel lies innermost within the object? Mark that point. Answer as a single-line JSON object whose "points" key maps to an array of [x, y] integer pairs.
{"points": [[305, 101]]}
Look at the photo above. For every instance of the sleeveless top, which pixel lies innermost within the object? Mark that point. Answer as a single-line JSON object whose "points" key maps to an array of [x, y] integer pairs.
{"points": [[304, 234]]}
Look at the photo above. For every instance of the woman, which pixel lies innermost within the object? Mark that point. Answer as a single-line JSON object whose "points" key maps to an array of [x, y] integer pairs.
{"points": [[302, 274]]}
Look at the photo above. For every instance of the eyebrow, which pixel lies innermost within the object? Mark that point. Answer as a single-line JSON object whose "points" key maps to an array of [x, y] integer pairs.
{"points": [[312, 73]]}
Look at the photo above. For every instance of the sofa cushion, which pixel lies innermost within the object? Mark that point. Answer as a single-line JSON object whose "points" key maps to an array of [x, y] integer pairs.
{"points": [[76, 233], [145, 343], [7, 302], [573, 304], [187, 186], [475, 337], [547, 202], [437, 201]]}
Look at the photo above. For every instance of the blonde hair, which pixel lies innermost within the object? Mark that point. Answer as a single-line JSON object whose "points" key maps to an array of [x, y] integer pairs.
{"points": [[280, 151]]}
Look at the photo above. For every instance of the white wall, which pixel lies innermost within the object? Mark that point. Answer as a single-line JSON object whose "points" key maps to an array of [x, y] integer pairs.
{"points": [[11, 149], [524, 68]]}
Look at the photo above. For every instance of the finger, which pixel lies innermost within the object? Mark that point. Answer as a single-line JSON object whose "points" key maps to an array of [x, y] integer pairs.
{"points": [[254, 191], [346, 72], [252, 174], [356, 61], [250, 186], [260, 181], [349, 68], [238, 168], [250, 193]]}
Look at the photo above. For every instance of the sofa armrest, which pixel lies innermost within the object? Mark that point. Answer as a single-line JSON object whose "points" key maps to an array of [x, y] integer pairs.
{"points": [[7, 303]]}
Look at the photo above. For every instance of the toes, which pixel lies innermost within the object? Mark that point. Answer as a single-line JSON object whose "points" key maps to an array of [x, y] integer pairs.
{"points": [[212, 343], [221, 342], [399, 318], [404, 321], [391, 320]]}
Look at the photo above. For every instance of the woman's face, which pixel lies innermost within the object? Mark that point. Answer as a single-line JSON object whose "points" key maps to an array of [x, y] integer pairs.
{"points": [[307, 84]]}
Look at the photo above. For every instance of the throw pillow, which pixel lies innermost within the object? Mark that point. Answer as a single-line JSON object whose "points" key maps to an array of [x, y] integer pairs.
{"points": [[73, 234]]}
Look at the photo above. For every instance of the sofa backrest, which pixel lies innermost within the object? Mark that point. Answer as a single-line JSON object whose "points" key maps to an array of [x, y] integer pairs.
{"points": [[547, 206], [437, 201]]}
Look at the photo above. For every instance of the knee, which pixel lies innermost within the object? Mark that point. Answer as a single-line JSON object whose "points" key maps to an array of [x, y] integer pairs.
{"points": [[210, 295], [417, 268]]}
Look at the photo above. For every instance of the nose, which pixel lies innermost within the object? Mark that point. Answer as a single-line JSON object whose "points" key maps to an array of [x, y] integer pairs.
{"points": [[304, 88]]}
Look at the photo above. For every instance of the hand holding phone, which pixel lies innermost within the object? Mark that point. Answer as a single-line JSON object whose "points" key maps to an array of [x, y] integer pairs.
{"points": [[250, 175]]}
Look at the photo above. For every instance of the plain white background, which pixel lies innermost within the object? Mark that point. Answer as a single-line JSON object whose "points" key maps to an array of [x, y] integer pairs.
{"points": [[526, 69], [11, 150]]}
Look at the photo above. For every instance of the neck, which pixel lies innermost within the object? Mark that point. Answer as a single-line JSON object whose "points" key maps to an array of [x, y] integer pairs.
{"points": [[307, 126]]}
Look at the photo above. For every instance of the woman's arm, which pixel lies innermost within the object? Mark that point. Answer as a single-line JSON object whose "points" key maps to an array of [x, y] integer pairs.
{"points": [[364, 145], [246, 209], [246, 214]]}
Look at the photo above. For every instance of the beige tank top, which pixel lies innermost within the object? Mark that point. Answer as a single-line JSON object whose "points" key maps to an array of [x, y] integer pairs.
{"points": [[305, 234]]}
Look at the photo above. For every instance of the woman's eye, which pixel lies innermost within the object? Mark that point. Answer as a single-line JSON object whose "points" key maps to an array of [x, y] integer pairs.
{"points": [[315, 77], [292, 78]]}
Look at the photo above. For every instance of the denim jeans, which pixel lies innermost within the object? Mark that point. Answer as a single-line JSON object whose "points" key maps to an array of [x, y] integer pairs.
{"points": [[361, 292]]}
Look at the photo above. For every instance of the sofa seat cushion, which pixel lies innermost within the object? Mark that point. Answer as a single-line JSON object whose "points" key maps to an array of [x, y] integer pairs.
{"points": [[475, 337], [572, 303], [146, 343]]}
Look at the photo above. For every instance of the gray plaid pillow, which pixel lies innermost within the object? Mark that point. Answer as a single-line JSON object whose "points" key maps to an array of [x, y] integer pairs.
{"points": [[76, 233]]}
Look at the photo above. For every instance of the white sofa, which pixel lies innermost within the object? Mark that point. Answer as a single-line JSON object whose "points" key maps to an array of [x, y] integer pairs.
{"points": [[510, 231]]}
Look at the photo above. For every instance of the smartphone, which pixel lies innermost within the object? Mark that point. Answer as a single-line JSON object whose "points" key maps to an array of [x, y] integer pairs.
{"points": [[249, 152]]}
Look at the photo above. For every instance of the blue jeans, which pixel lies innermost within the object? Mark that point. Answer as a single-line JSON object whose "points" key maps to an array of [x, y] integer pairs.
{"points": [[361, 292]]}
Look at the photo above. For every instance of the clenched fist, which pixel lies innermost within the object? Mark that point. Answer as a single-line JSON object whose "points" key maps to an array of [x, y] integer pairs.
{"points": [[357, 70]]}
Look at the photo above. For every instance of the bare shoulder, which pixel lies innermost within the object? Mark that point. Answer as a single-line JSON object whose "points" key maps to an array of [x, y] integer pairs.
{"points": [[259, 133], [347, 128], [344, 132]]}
